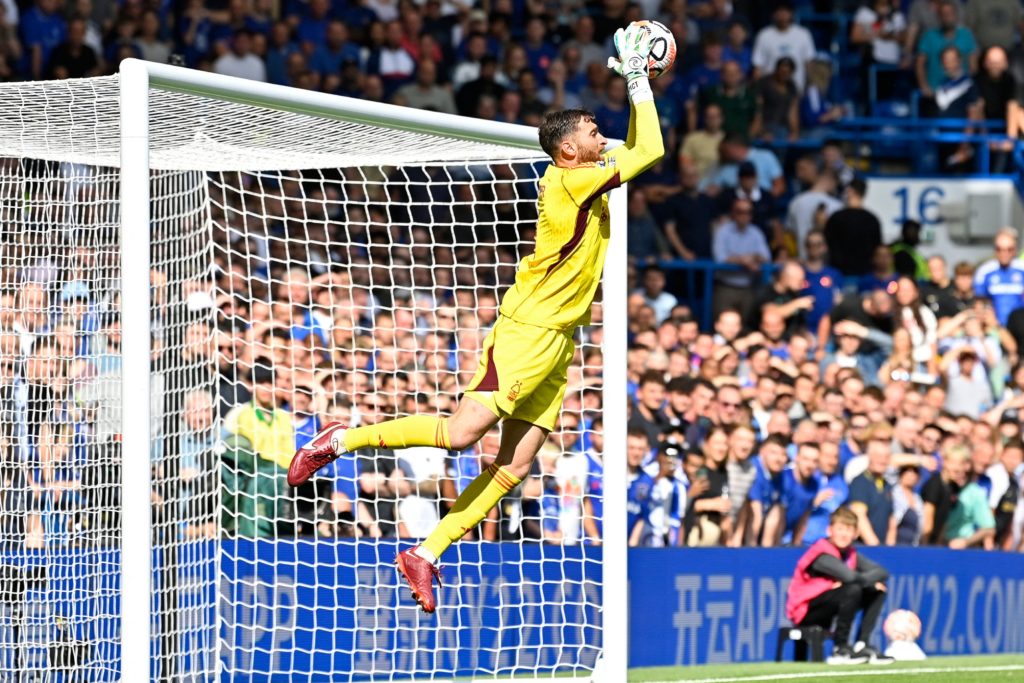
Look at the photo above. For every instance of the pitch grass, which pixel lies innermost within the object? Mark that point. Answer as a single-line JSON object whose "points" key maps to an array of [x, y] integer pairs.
{"points": [[974, 669]]}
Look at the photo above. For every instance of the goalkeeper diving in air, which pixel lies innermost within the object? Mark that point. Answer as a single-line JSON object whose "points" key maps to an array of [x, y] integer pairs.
{"points": [[522, 375]]}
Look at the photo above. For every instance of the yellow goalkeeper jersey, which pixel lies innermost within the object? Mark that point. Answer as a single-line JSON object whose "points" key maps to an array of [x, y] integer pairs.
{"points": [[556, 284]]}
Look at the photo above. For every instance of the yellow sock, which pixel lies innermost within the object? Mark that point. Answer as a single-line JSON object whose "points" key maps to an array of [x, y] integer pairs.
{"points": [[471, 507], [415, 430]]}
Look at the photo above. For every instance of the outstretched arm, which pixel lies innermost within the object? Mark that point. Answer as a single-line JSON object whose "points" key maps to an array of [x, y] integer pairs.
{"points": [[644, 145]]}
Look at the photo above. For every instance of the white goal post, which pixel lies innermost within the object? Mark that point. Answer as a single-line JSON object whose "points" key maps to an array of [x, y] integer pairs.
{"points": [[197, 154]]}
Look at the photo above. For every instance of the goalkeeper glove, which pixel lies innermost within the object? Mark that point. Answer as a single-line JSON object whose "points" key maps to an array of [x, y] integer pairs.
{"points": [[633, 47]]}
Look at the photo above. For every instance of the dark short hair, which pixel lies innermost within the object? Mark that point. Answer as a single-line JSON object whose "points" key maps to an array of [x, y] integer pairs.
{"points": [[558, 125], [859, 187], [1016, 444], [640, 433], [652, 377]]}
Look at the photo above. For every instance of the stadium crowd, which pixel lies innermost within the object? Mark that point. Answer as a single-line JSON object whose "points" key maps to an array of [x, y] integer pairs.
{"points": [[862, 373]]}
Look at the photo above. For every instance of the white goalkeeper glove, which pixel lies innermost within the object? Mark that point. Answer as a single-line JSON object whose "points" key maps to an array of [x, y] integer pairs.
{"points": [[633, 47]]}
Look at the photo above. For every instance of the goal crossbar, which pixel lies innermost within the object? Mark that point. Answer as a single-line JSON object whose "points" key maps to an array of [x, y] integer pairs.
{"points": [[137, 78]]}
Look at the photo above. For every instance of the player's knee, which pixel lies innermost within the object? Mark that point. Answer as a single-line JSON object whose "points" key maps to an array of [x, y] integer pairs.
{"points": [[460, 438], [852, 590]]}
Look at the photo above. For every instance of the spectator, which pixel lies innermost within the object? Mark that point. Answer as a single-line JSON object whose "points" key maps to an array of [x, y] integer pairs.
{"points": [[736, 150], [765, 211], [931, 72], [779, 103], [994, 23], [997, 88], [485, 84], [42, 30], [583, 40], [329, 56], [969, 392], [668, 501], [882, 274], [939, 494], [736, 48], [198, 469], [555, 95], [699, 150], [738, 103], [425, 93], [689, 215], [1006, 491], [785, 297], [593, 495], [907, 260], [814, 599], [766, 491], [800, 489], [644, 239], [708, 521], [540, 52], [390, 60], [743, 244], [73, 58], [880, 28], [148, 42], [811, 208], [648, 415], [638, 502], [280, 47], [915, 317], [908, 508], [832, 493], [781, 39], [613, 115], [817, 110], [655, 295], [417, 510], [240, 60], [832, 157], [853, 233], [871, 495], [741, 472], [824, 283], [970, 522], [1001, 279], [957, 98]]}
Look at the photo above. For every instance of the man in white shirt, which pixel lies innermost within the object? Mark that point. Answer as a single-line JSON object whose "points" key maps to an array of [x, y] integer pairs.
{"points": [[654, 293], [240, 61], [571, 474], [804, 206], [418, 511], [783, 39]]}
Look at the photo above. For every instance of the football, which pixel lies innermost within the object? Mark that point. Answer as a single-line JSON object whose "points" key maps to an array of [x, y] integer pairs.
{"points": [[663, 48], [902, 625]]}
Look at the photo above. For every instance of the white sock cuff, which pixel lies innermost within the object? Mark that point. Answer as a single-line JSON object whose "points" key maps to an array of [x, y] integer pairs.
{"points": [[420, 551]]}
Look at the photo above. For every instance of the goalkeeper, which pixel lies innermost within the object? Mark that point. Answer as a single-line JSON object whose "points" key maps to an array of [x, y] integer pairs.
{"points": [[522, 374]]}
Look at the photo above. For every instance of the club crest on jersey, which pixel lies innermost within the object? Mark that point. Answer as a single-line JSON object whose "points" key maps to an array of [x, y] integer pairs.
{"points": [[513, 393]]}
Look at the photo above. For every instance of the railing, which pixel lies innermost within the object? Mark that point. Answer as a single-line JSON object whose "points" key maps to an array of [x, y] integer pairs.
{"points": [[697, 278], [915, 140]]}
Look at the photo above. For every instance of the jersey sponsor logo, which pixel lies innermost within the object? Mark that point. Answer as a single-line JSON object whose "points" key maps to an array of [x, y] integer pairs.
{"points": [[1005, 288], [513, 393]]}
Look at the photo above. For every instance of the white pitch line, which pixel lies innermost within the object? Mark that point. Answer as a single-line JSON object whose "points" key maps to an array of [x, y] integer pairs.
{"points": [[853, 671]]}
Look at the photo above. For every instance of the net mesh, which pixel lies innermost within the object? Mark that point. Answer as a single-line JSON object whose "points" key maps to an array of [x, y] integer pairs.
{"points": [[302, 270]]}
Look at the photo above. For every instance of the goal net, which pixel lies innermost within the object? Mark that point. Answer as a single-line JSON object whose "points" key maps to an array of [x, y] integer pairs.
{"points": [[304, 265]]}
